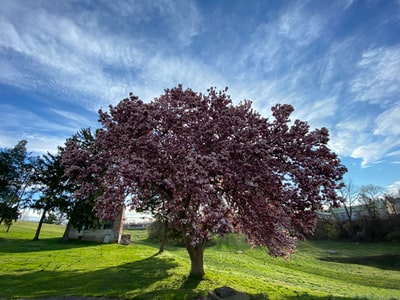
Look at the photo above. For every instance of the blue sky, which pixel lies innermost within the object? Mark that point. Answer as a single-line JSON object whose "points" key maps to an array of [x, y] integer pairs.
{"points": [[336, 62]]}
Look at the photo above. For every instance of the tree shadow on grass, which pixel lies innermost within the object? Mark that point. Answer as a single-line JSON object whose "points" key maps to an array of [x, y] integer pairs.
{"points": [[124, 281], [191, 282], [184, 291], [385, 261], [45, 244]]}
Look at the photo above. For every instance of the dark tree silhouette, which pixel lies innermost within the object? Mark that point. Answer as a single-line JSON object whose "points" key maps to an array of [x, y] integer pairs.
{"points": [[52, 186], [16, 171]]}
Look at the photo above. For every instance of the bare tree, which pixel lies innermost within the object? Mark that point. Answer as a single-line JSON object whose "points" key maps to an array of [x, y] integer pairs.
{"points": [[350, 193], [392, 202], [371, 197]]}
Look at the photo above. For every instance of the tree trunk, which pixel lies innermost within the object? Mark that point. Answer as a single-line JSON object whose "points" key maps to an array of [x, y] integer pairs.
{"points": [[196, 255], [163, 238], [349, 213], [39, 228], [65, 237]]}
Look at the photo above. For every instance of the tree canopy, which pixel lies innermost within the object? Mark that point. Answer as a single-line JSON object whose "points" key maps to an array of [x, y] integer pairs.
{"points": [[52, 186], [16, 179], [218, 167], [80, 211]]}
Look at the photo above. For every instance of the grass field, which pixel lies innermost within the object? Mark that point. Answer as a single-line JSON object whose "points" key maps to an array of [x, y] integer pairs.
{"points": [[319, 270]]}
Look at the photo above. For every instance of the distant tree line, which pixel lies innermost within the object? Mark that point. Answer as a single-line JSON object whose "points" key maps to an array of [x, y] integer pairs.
{"points": [[367, 214]]}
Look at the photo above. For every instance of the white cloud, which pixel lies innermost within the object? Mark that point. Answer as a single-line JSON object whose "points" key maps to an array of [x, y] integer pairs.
{"points": [[13, 117], [42, 131], [77, 119], [300, 26], [317, 113], [394, 188], [368, 138], [9, 73], [368, 134], [395, 153], [384, 141], [369, 153], [348, 3], [37, 143], [9, 36], [7, 141], [40, 144], [73, 60], [285, 67], [336, 65], [88, 66], [378, 79], [274, 45], [181, 17], [388, 122], [375, 150], [349, 135]]}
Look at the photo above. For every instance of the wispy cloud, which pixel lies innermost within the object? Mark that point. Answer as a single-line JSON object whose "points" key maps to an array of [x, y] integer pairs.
{"points": [[350, 134], [374, 151], [388, 122], [368, 137], [394, 188], [377, 82], [73, 120], [41, 143], [75, 56], [13, 117], [378, 78], [321, 90], [75, 59], [348, 3], [181, 17], [44, 129], [300, 25]]}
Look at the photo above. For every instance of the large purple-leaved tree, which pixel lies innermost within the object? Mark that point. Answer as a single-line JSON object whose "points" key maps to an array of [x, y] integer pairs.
{"points": [[217, 167]]}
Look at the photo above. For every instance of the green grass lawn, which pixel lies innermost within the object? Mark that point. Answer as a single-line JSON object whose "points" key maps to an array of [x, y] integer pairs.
{"points": [[319, 270]]}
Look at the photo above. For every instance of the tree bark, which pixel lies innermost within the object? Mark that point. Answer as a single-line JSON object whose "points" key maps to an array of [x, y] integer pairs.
{"points": [[349, 213], [196, 255], [163, 238], [65, 237], [39, 228]]}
